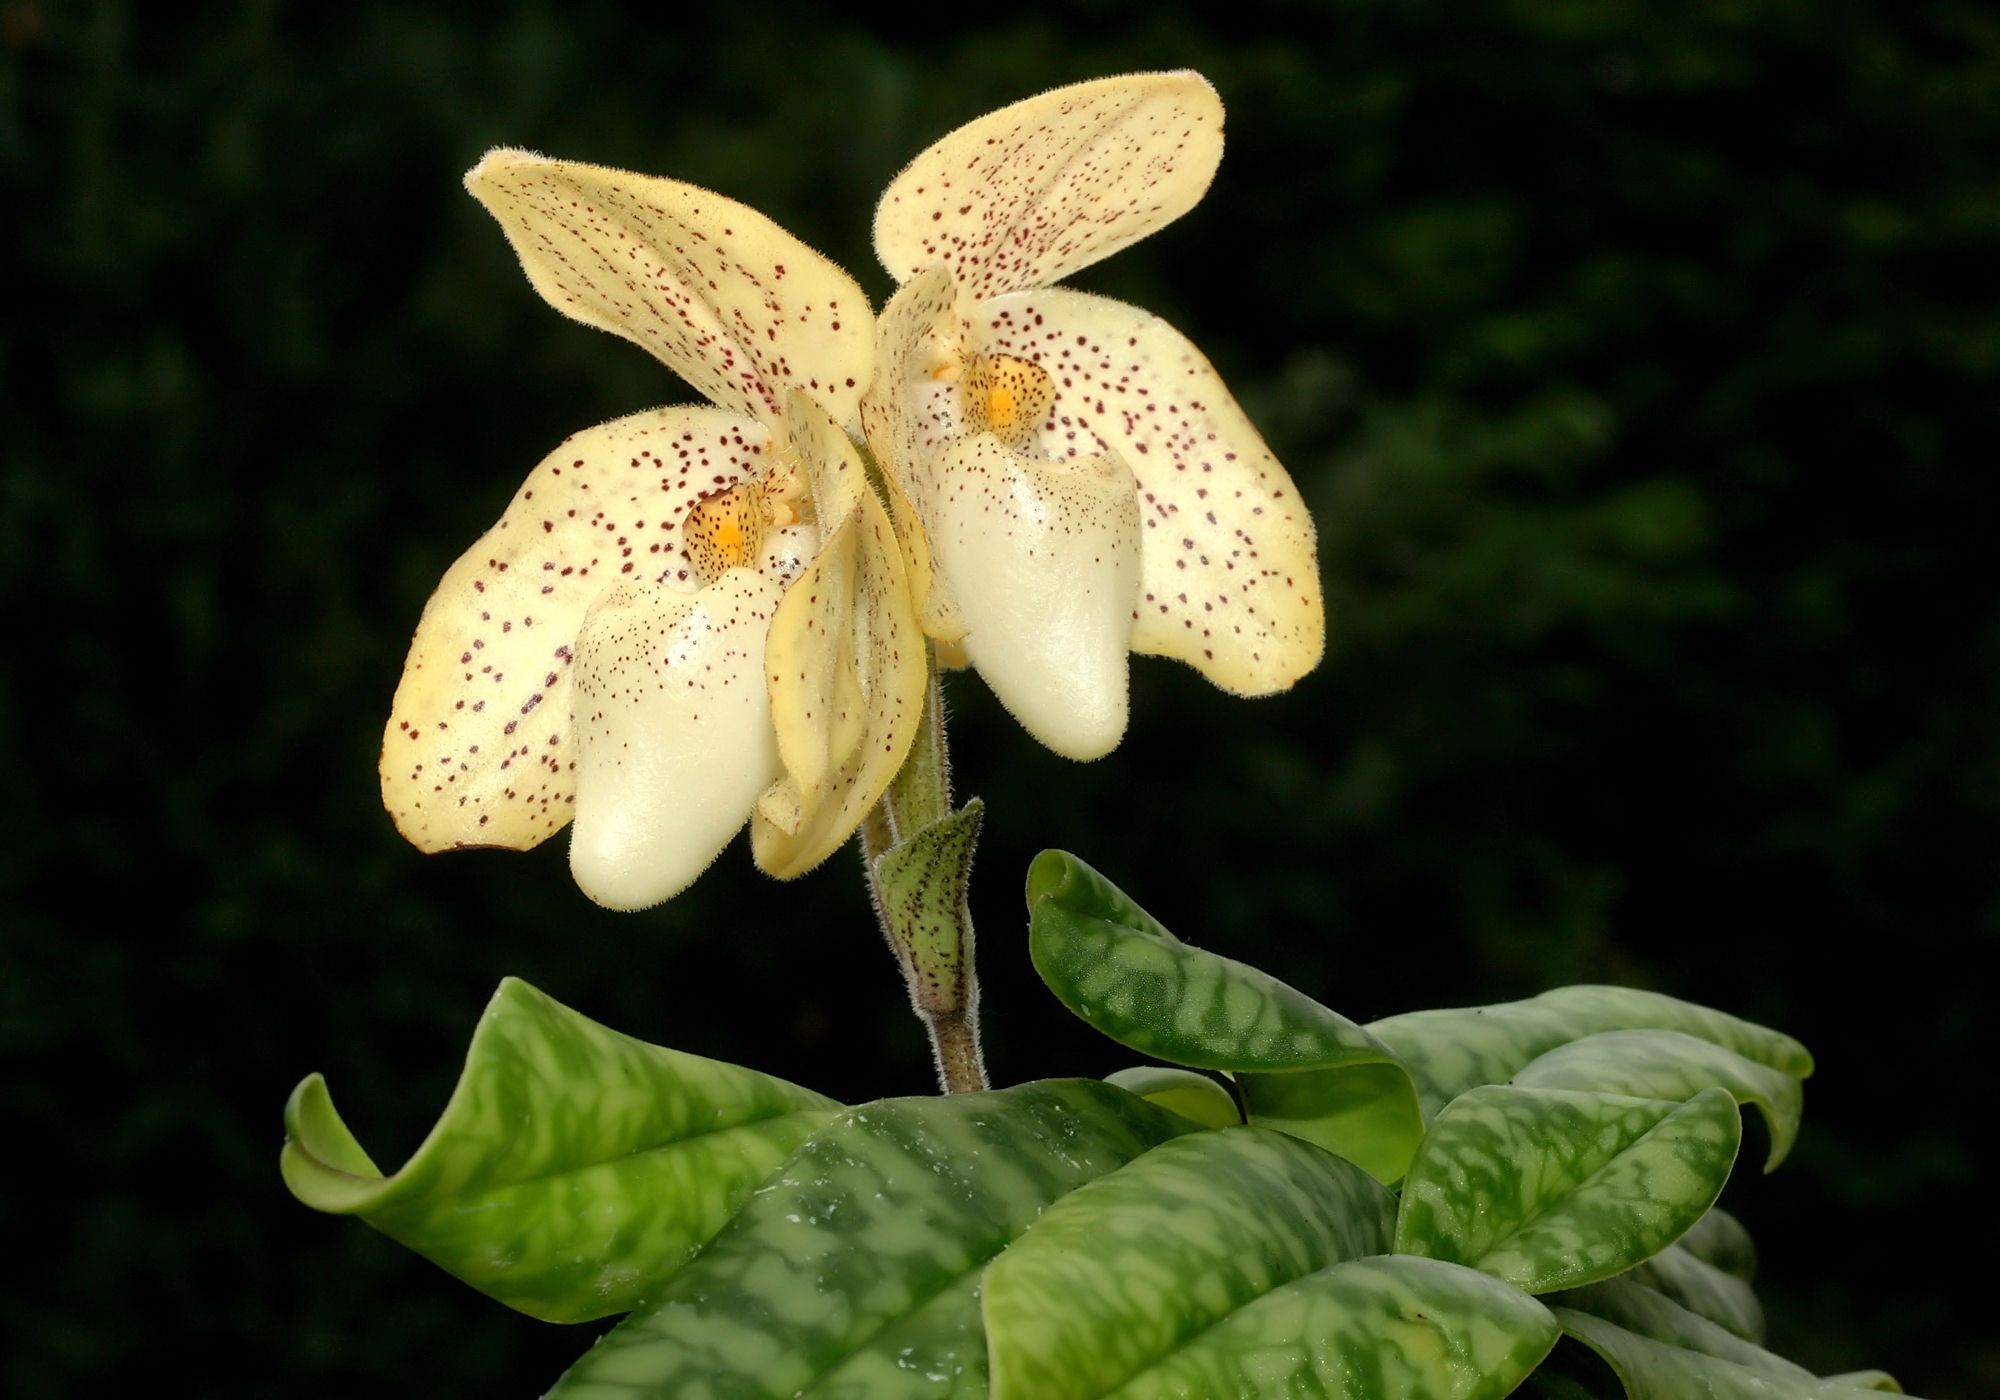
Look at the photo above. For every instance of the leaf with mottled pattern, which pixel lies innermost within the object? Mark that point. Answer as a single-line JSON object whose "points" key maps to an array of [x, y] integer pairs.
{"points": [[1452, 1050], [1132, 1266], [1700, 1287], [1550, 1189], [1655, 1370], [1634, 1304], [846, 1247], [1719, 1238], [1660, 1064], [1394, 1327], [574, 1167], [1301, 1068]]}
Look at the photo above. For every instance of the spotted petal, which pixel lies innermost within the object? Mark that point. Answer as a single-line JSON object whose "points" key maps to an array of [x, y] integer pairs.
{"points": [[478, 750], [1029, 194], [909, 416], [1044, 560], [673, 733], [717, 292], [845, 662], [1230, 580]]}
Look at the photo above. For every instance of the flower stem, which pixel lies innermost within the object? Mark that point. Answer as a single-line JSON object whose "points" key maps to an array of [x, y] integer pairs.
{"points": [[918, 855]]}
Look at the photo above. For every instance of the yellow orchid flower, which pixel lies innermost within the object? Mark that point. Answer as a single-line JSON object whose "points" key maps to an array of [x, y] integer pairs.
{"points": [[688, 618], [1075, 482]]}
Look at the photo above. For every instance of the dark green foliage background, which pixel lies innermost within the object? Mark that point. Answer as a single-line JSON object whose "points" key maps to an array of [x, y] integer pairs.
{"points": [[1640, 362]]}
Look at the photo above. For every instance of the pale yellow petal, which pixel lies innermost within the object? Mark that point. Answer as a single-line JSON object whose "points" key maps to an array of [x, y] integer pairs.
{"points": [[1029, 194], [720, 294], [1044, 559], [674, 738], [880, 659], [910, 412], [816, 704], [478, 748], [833, 471], [1230, 577]]}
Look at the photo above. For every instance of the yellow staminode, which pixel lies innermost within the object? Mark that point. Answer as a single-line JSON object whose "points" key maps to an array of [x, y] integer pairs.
{"points": [[1008, 396], [724, 531]]}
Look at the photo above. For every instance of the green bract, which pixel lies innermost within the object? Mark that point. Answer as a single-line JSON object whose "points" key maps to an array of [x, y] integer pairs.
{"points": [[1300, 1067], [573, 1168]]}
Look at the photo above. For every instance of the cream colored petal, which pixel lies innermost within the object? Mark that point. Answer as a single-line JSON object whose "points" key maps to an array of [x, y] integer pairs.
{"points": [[1231, 581], [478, 748], [910, 410], [1027, 195], [721, 295], [875, 654], [1044, 559], [910, 413], [816, 701], [674, 739], [833, 471]]}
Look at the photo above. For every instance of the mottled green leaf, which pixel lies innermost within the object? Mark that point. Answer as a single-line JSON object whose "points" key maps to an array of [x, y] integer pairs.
{"points": [[1394, 1327], [1182, 1091], [1702, 1288], [1719, 1238], [1657, 1064], [572, 1169], [1366, 1112], [1551, 1189], [1655, 1370], [851, 1247], [1642, 1309], [1300, 1067], [1866, 1380], [1134, 1264], [936, 1352], [1450, 1051]]}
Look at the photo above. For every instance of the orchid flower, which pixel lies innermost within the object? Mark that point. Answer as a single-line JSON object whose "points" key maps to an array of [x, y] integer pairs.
{"points": [[1073, 480], [688, 618]]}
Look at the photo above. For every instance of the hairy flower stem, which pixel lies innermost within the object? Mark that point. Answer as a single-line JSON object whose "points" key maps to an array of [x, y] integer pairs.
{"points": [[918, 856]]}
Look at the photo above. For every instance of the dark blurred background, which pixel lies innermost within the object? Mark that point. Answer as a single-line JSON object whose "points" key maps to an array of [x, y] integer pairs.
{"points": [[1639, 362]]}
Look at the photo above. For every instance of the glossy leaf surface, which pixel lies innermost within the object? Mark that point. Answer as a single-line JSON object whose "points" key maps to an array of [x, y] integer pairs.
{"points": [[1719, 1238], [1450, 1051], [1392, 1327], [1551, 1189], [1699, 1286], [845, 1248], [1630, 1303], [1125, 1270], [574, 1167], [1658, 1064], [1654, 1370], [1193, 1096], [1301, 1068]]}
